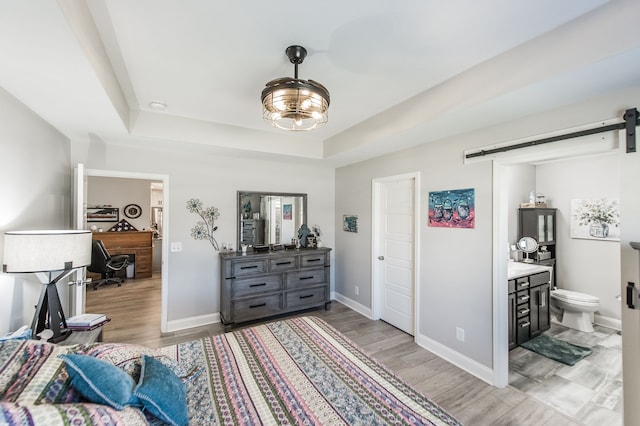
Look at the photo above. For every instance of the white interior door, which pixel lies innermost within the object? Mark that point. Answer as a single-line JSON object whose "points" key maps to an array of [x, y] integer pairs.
{"points": [[394, 257]]}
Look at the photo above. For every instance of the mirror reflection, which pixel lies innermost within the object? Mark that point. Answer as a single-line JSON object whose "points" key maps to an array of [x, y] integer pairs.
{"points": [[269, 218]]}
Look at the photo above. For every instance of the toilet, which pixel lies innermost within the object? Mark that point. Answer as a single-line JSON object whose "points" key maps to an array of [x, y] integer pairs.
{"points": [[573, 309]]}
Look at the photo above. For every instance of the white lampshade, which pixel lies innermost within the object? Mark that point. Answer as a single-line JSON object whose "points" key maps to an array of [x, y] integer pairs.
{"points": [[46, 251]]}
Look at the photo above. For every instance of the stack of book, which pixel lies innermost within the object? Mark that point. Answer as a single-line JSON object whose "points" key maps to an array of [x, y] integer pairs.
{"points": [[86, 321]]}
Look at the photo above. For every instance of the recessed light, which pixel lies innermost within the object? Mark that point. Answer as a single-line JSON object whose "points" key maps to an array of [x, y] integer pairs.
{"points": [[158, 106]]}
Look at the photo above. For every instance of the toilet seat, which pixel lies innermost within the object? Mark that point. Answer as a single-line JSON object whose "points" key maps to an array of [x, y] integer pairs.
{"points": [[574, 296]]}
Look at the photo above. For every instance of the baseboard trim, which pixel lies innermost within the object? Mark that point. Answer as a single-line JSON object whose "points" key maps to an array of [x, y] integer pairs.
{"points": [[191, 322], [467, 364], [608, 322], [361, 309]]}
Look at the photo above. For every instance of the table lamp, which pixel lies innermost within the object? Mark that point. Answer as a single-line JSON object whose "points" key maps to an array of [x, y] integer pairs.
{"points": [[51, 252]]}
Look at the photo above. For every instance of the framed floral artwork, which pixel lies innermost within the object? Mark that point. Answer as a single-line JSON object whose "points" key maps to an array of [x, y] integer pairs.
{"points": [[595, 219]]}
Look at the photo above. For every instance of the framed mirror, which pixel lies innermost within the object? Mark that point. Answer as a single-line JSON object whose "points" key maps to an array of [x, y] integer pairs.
{"points": [[269, 217]]}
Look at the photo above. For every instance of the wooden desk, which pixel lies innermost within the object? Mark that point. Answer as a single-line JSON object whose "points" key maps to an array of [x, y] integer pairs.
{"points": [[138, 243]]}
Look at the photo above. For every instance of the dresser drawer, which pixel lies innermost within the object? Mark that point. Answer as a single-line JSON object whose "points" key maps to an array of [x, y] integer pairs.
{"points": [[283, 264], [248, 267], [249, 286], [256, 307], [311, 260], [311, 296], [306, 278]]}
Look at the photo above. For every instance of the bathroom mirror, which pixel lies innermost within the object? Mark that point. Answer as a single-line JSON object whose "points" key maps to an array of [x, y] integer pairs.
{"points": [[527, 245], [269, 217]]}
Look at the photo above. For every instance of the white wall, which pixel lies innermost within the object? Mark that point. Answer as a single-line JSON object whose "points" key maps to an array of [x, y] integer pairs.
{"points": [[214, 176], [521, 180], [35, 180], [588, 266], [119, 193]]}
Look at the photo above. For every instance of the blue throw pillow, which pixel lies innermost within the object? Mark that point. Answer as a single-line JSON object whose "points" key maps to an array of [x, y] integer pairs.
{"points": [[162, 392], [100, 382]]}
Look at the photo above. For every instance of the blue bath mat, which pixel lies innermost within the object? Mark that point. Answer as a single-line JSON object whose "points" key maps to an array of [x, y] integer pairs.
{"points": [[557, 350]]}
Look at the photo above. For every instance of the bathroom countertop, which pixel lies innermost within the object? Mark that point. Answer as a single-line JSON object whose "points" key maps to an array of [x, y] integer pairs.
{"points": [[521, 269]]}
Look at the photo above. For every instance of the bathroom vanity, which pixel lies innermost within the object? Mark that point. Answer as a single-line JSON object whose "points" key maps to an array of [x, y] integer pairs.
{"points": [[529, 315]]}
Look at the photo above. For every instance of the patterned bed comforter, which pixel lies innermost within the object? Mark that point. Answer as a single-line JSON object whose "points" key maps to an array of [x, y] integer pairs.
{"points": [[294, 371]]}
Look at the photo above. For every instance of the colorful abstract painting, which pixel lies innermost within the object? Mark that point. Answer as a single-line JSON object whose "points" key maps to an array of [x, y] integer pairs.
{"points": [[454, 208]]}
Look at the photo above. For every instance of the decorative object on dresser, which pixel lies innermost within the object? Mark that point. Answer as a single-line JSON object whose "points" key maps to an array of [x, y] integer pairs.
{"points": [[205, 228], [49, 251], [259, 285]]}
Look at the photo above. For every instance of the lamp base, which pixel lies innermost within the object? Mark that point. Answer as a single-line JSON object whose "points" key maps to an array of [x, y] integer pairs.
{"points": [[49, 315]]}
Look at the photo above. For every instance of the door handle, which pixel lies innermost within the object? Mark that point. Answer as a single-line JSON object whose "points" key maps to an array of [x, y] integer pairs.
{"points": [[380, 257], [631, 290]]}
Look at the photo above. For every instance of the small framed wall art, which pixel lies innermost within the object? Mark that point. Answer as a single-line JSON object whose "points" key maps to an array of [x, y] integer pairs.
{"points": [[350, 223], [103, 214]]}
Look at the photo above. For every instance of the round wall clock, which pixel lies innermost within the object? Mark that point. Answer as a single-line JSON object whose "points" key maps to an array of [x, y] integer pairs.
{"points": [[132, 211]]}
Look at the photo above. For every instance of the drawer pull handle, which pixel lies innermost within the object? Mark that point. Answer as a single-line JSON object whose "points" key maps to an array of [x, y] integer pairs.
{"points": [[524, 311], [249, 267], [524, 284], [314, 260], [307, 296], [260, 305], [257, 285], [306, 278], [523, 298], [283, 263], [525, 324]]}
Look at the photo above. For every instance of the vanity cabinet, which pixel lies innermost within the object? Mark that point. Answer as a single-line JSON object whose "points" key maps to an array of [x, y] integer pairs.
{"points": [[529, 313], [259, 285]]}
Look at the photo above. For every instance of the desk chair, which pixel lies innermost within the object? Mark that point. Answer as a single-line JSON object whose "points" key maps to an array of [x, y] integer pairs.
{"points": [[106, 265]]}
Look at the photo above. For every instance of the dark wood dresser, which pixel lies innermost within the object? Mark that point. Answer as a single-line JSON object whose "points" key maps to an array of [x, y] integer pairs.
{"points": [[259, 285]]}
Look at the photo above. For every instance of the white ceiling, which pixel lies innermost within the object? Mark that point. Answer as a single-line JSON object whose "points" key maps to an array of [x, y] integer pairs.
{"points": [[400, 73]]}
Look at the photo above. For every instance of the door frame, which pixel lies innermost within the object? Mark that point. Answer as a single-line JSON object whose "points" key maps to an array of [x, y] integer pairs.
{"points": [[165, 228], [500, 236], [376, 286]]}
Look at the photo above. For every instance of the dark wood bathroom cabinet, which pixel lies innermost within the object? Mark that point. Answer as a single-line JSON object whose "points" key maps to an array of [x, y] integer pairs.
{"points": [[529, 314]]}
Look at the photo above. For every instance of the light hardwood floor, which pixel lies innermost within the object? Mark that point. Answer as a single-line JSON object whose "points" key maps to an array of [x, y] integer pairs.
{"points": [[134, 310]]}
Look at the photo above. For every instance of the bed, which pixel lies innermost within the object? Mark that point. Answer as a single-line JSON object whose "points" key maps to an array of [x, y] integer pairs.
{"points": [[294, 371]]}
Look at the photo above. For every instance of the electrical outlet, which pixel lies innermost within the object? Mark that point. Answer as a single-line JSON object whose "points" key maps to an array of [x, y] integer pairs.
{"points": [[176, 247], [357, 290], [460, 334]]}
